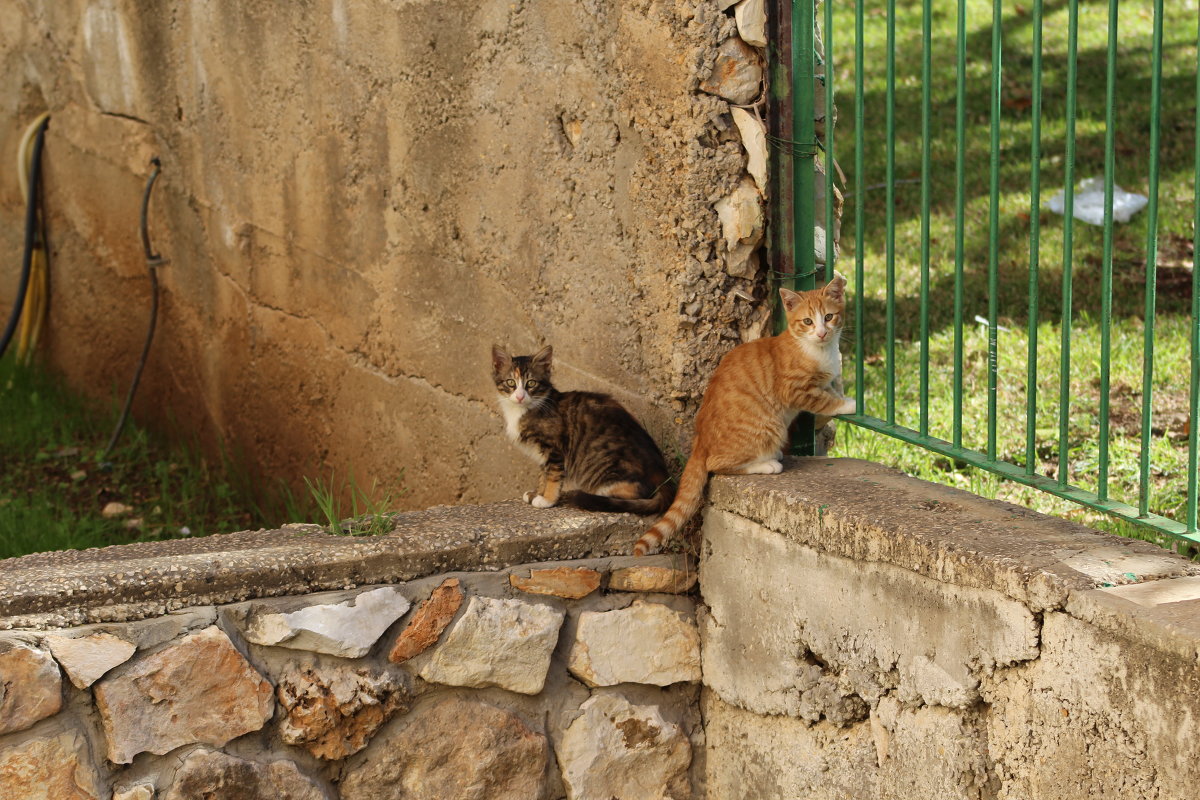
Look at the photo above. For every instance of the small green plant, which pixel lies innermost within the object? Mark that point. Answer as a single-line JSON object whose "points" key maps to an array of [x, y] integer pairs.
{"points": [[368, 516]]}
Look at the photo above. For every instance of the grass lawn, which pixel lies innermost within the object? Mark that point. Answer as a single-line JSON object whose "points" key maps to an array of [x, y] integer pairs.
{"points": [[53, 488], [1167, 490]]}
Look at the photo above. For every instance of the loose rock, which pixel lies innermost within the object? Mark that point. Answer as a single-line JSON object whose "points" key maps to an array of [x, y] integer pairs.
{"points": [[736, 74], [645, 643], [207, 774], [30, 686], [505, 643], [199, 690], [617, 749], [451, 748], [346, 629], [333, 713], [428, 623], [87, 658], [143, 791], [49, 768], [572, 583]]}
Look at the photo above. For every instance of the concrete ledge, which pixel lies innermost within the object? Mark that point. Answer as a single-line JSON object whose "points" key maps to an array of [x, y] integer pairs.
{"points": [[140, 580], [870, 513]]}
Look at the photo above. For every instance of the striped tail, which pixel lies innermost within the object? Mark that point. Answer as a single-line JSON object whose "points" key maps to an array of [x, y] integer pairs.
{"points": [[687, 501]]}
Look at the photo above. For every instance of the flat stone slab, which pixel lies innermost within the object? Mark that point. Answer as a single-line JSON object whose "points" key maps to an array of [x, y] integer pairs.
{"points": [[135, 581], [871, 513]]}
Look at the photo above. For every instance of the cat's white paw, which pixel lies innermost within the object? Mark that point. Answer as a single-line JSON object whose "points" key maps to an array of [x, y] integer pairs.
{"points": [[849, 406], [765, 468], [540, 502], [528, 496]]}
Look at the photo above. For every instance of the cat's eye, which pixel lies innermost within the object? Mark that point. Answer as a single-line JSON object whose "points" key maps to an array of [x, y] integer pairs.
{"points": [[531, 384], [807, 321], [510, 383], [828, 317]]}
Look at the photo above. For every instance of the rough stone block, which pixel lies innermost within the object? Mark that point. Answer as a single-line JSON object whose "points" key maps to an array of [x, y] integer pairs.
{"points": [[617, 749], [198, 690], [208, 774], [87, 658], [348, 629], [334, 711], [777, 608], [505, 643], [571, 583], [451, 748], [30, 686], [668, 580], [736, 74], [644, 643], [427, 624], [49, 768]]}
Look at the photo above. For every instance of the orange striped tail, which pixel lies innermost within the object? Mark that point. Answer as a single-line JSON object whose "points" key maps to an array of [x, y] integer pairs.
{"points": [[687, 502]]}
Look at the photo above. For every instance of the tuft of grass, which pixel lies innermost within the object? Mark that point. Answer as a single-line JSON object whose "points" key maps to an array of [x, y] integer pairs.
{"points": [[368, 510], [1076, 453]]}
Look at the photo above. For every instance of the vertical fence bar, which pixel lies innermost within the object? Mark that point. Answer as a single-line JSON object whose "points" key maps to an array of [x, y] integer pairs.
{"points": [[890, 212], [1194, 330], [803, 180], [830, 160], [1151, 258], [926, 136], [994, 225], [1064, 377], [1035, 229], [1106, 266], [960, 137], [859, 289]]}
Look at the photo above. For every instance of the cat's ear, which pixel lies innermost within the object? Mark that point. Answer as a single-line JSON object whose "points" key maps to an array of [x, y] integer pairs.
{"points": [[836, 289], [543, 356], [790, 299], [500, 359]]}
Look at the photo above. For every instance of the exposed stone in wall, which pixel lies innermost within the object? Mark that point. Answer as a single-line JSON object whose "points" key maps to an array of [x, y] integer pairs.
{"points": [[496, 642], [570, 583], [452, 748], [644, 643], [347, 629], [31, 688], [618, 749], [674, 580], [334, 712], [197, 690], [428, 623], [207, 774], [54, 767], [86, 658]]}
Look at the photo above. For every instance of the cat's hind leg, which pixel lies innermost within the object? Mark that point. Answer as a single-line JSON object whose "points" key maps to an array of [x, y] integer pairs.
{"points": [[767, 464]]}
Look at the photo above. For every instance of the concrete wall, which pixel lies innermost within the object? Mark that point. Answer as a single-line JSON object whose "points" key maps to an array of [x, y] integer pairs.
{"points": [[868, 635], [358, 197]]}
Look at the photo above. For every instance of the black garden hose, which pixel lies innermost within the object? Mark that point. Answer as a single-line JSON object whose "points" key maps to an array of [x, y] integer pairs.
{"points": [[153, 261], [31, 230]]}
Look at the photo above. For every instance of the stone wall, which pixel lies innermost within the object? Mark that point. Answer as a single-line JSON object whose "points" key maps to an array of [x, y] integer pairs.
{"points": [[853, 633], [575, 679], [358, 197]]}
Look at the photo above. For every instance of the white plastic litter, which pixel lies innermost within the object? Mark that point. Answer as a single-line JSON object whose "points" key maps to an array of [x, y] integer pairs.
{"points": [[1089, 202]]}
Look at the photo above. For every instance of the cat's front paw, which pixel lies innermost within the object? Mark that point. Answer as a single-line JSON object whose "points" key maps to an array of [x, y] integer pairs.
{"points": [[528, 496], [540, 502], [849, 406]]}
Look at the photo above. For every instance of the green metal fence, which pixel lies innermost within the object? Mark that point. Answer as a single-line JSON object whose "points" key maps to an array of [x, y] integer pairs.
{"points": [[1022, 102]]}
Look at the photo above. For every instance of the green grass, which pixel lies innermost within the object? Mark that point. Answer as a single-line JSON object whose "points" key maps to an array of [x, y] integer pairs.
{"points": [[1167, 490], [53, 488]]}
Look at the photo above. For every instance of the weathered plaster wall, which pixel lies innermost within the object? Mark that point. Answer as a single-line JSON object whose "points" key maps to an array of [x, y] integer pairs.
{"points": [[868, 635], [358, 197]]}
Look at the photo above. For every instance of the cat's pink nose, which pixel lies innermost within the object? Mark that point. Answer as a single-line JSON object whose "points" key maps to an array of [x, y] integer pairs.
{"points": [[520, 396]]}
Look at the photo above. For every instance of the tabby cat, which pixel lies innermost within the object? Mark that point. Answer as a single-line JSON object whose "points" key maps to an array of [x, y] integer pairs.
{"points": [[581, 438], [756, 391]]}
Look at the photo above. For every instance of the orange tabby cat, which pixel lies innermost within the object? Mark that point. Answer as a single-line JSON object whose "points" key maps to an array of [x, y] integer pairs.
{"points": [[753, 396]]}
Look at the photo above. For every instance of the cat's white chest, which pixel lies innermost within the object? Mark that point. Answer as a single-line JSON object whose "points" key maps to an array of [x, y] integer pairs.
{"points": [[512, 426]]}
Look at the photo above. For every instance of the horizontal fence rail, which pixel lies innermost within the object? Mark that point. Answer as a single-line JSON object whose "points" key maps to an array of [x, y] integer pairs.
{"points": [[967, 115]]}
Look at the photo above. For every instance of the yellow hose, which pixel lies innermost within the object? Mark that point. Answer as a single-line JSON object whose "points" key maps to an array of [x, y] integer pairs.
{"points": [[33, 312]]}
